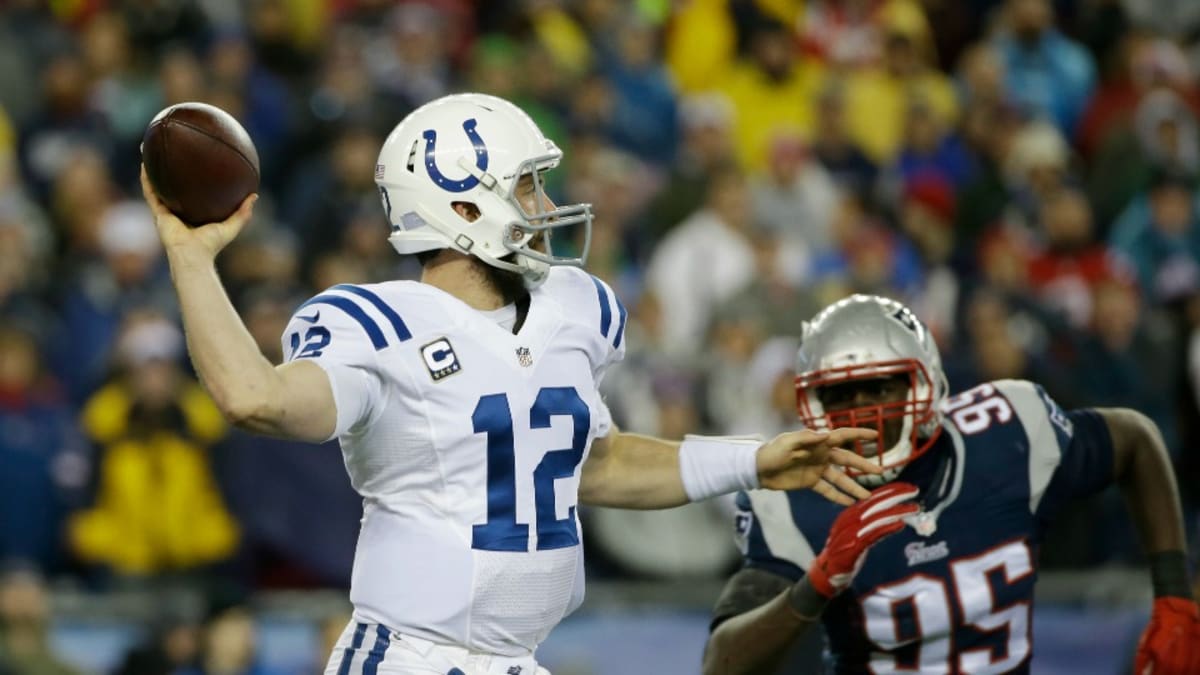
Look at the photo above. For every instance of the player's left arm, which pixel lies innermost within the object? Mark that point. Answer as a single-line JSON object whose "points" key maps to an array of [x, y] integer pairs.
{"points": [[1142, 469], [633, 471]]}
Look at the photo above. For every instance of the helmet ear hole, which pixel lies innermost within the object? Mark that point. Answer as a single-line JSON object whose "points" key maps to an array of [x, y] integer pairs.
{"points": [[468, 210]]}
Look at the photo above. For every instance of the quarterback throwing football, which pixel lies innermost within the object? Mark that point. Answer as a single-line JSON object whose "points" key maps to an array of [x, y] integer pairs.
{"points": [[466, 404]]}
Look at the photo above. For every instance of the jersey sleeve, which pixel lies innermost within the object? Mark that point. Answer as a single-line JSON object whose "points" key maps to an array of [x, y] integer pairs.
{"points": [[1070, 452], [340, 330], [603, 317], [609, 317], [768, 537]]}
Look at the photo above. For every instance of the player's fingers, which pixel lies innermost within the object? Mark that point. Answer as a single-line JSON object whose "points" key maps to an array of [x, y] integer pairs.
{"points": [[828, 491], [232, 225], [845, 483], [853, 460], [156, 205], [845, 436]]}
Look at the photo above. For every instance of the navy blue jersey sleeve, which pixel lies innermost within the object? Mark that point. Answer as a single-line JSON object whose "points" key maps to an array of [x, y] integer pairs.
{"points": [[1086, 465], [1070, 453], [769, 537]]}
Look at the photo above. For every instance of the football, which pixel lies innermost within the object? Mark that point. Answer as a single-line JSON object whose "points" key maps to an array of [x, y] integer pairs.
{"points": [[200, 161]]}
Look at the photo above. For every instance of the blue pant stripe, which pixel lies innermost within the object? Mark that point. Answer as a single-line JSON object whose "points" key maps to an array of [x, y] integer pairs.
{"points": [[360, 631], [620, 326], [355, 312], [605, 310], [390, 314], [383, 638]]}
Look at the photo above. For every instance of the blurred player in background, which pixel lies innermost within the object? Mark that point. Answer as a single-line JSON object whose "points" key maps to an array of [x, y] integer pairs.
{"points": [[466, 403], [935, 572]]}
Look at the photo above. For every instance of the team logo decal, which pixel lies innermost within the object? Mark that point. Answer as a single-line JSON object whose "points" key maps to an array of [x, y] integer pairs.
{"points": [[524, 357], [917, 552], [440, 359], [481, 159]]}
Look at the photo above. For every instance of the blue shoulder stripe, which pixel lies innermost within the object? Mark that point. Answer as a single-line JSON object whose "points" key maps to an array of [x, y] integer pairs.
{"points": [[383, 637], [389, 313], [355, 312], [621, 325], [605, 310], [360, 631]]}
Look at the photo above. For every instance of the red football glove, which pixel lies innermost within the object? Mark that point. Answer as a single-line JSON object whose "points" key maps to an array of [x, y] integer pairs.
{"points": [[1171, 643], [855, 531]]}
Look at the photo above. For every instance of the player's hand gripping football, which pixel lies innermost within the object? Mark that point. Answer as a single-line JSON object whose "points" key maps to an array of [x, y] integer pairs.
{"points": [[1171, 643], [855, 531], [205, 241], [800, 460]]}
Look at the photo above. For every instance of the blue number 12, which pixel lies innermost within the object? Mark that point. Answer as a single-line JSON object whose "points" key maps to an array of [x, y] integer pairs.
{"points": [[493, 417]]}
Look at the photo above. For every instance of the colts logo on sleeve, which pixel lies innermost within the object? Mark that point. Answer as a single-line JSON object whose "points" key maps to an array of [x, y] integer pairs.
{"points": [[440, 359]]}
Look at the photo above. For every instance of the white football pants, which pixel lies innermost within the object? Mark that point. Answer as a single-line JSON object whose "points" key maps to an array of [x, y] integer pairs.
{"points": [[372, 649]]}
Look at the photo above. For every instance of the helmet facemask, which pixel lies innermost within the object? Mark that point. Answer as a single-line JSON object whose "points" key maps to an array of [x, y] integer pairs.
{"points": [[520, 237], [917, 414]]}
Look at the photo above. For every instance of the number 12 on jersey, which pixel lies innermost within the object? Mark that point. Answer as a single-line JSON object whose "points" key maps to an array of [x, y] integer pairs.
{"points": [[493, 417]]}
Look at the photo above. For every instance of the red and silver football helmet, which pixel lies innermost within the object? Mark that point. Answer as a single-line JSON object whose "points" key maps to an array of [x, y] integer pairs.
{"points": [[867, 337]]}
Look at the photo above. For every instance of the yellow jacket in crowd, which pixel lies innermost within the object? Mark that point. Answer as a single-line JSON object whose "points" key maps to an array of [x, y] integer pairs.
{"points": [[157, 507]]}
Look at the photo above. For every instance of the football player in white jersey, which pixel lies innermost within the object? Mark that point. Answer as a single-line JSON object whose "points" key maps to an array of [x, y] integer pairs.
{"points": [[466, 404]]}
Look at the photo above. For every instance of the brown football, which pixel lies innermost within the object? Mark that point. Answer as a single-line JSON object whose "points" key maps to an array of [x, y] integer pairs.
{"points": [[200, 161]]}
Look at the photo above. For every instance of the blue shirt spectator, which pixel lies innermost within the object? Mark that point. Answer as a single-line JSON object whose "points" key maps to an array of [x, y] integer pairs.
{"points": [[1046, 72], [44, 459], [1160, 235]]}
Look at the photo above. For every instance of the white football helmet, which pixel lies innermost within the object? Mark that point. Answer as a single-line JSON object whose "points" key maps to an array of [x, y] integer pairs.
{"points": [[866, 337], [474, 148]]}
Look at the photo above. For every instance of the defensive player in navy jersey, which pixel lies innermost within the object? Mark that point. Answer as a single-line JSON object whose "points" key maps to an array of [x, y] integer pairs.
{"points": [[935, 572]]}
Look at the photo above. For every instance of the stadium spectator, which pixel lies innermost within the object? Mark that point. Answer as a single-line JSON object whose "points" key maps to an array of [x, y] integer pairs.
{"points": [[772, 90], [927, 218], [24, 625], [931, 148], [230, 645], [127, 272], [1048, 73], [795, 198], [172, 643], [878, 99], [45, 461], [841, 155], [1160, 235], [704, 261], [1162, 133], [706, 145], [852, 33], [157, 509], [644, 115], [1065, 272]]}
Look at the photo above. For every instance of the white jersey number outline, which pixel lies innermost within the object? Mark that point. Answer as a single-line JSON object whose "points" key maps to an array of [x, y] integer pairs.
{"points": [[932, 614]]}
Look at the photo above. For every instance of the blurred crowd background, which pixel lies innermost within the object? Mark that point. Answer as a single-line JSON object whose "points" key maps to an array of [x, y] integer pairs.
{"points": [[1023, 173]]}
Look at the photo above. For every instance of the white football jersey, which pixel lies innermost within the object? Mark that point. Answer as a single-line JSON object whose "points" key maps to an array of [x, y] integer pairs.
{"points": [[465, 441]]}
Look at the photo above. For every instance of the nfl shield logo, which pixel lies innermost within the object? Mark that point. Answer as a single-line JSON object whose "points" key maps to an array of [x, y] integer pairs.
{"points": [[524, 357]]}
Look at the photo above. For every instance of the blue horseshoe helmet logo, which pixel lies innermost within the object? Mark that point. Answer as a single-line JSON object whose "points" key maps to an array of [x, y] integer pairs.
{"points": [[481, 159]]}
